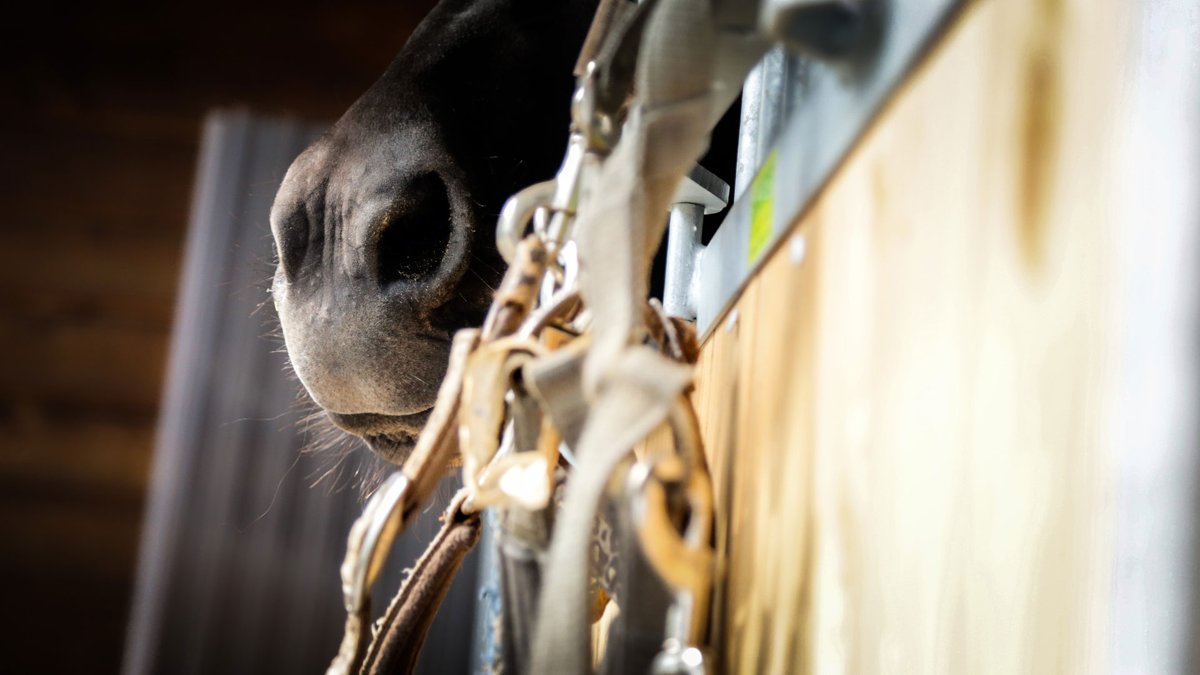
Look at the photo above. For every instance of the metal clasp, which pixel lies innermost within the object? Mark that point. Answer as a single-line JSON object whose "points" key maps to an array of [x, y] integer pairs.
{"points": [[497, 467], [593, 133], [371, 539], [684, 560]]}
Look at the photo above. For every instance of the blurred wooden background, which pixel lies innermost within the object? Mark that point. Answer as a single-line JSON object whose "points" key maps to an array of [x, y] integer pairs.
{"points": [[99, 135]]}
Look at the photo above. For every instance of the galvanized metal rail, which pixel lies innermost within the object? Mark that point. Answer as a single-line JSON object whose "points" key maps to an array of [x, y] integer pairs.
{"points": [[801, 115]]}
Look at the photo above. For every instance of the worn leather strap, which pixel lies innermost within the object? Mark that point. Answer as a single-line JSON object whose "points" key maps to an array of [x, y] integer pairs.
{"points": [[437, 445], [423, 470], [395, 644], [400, 633]]}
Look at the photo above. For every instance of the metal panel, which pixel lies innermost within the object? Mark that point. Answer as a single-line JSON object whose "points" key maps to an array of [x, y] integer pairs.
{"points": [[808, 114], [1157, 493]]}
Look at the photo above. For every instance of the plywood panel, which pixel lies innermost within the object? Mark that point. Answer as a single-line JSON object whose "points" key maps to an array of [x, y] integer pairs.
{"points": [[906, 416]]}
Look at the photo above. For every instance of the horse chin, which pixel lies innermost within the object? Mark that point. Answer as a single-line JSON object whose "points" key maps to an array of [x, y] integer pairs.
{"points": [[391, 437], [393, 448]]}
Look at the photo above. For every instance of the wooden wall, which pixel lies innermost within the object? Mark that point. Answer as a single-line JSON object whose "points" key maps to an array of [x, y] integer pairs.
{"points": [[909, 411], [100, 127]]}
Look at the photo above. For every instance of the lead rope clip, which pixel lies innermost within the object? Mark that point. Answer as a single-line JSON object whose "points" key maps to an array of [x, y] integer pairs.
{"points": [[684, 559]]}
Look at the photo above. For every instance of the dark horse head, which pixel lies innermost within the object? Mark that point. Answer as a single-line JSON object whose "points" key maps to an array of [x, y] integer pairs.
{"points": [[384, 228]]}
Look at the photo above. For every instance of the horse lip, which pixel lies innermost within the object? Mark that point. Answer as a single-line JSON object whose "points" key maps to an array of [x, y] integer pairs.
{"points": [[376, 424], [392, 437], [394, 447]]}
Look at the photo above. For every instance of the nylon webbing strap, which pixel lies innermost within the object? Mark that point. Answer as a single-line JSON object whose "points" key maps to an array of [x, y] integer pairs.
{"points": [[619, 225], [621, 218], [609, 15], [641, 391], [556, 381]]}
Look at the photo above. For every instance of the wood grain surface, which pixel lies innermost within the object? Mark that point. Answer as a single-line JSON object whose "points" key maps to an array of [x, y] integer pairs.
{"points": [[907, 411]]}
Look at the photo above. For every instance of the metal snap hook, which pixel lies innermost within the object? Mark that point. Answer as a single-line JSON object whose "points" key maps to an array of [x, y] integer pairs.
{"points": [[684, 560], [518, 210], [371, 539]]}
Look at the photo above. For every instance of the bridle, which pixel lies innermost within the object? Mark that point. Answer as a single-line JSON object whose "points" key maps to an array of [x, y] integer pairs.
{"points": [[571, 360]]}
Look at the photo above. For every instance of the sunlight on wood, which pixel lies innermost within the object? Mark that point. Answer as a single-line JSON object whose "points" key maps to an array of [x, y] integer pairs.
{"points": [[907, 422]]}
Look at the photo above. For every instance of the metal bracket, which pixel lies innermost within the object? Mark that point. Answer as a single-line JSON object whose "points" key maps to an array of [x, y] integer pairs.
{"points": [[809, 114], [701, 193]]}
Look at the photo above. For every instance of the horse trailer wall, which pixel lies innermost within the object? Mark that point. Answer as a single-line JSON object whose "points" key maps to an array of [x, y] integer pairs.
{"points": [[951, 421]]}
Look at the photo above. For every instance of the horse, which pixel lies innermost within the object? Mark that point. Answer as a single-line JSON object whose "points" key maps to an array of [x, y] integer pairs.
{"points": [[384, 227]]}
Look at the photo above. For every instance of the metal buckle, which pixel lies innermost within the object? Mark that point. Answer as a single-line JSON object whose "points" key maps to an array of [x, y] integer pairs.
{"points": [[371, 539], [494, 471]]}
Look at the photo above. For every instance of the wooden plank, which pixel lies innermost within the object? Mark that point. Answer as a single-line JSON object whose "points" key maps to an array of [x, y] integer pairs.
{"points": [[106, 367], [100, 62], [76, 304], [42, 444], [132, 266], [69, 530], [906, 419]]}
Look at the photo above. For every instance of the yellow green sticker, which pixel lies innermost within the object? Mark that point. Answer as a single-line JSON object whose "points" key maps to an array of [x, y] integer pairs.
{"points": [[762, 207]]}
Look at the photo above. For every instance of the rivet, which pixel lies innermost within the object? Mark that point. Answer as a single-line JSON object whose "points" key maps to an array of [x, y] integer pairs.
{"points": [[797, 248]]}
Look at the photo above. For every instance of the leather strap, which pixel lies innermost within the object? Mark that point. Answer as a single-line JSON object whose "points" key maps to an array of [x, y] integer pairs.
{"points": [[437, 445], [400, 634], [399, 500]]}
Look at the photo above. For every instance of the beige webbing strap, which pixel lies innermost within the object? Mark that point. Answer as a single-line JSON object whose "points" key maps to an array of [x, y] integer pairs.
{"points": [[637, 400], [609, 14], [555, 380], [619, 226], [635, 186]]}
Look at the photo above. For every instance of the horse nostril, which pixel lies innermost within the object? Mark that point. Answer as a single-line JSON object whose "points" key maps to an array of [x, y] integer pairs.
{"points": [[290, 235], [415, 236]]}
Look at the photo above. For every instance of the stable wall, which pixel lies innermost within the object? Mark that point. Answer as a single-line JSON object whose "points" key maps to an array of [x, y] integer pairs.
{"points": [[913, 414]]}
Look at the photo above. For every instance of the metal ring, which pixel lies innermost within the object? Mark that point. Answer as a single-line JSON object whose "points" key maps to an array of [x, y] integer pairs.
{"points": [[517, 212], [370, 539]]}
